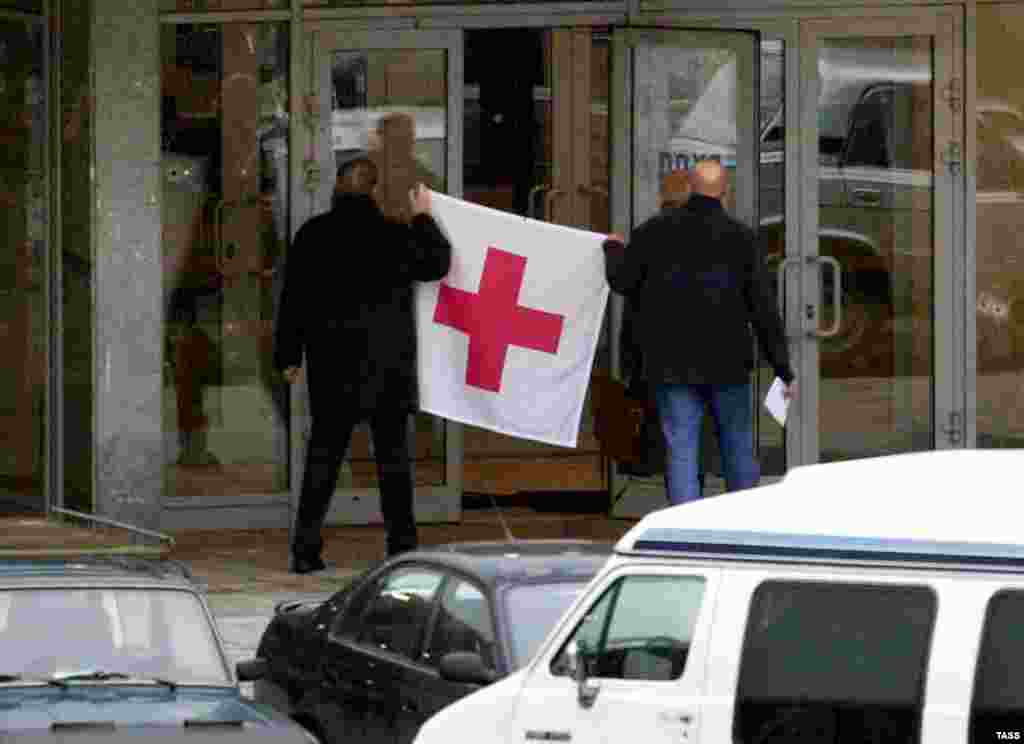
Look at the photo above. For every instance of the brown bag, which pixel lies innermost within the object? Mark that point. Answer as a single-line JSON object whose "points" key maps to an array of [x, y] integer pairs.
{"points": [[619, 420]]}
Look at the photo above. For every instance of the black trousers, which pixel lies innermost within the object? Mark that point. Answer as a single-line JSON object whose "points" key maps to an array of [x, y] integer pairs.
{"points": [[328, 443]]}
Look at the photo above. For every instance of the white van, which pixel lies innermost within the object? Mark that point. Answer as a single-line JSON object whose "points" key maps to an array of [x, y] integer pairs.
{"points": [[872, 601]]}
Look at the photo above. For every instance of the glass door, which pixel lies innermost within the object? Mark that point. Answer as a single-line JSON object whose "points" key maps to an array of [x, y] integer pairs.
{"points": [[359, 77], [880, 117], [684, 96], [24, 264]]}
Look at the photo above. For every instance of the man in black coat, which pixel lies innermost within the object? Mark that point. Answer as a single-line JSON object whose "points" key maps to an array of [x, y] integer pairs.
{"points": [[693, 275], [347, 304]]}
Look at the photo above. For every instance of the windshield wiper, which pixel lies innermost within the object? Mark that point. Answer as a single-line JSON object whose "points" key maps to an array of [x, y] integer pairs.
{"points": [[8, 678], [101, 675]]}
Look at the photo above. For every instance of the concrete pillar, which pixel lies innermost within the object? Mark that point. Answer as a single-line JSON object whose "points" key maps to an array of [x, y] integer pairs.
{"points": [[127, 272]]}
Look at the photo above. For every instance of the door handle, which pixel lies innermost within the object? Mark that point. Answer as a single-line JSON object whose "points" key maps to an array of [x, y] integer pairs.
{"points": [[780, 280], [531, 210], [837, 297], [871, 197], [548, 201]]}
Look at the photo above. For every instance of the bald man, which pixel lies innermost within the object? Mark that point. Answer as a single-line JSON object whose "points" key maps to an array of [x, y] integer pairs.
{"points": [[700, 294]]}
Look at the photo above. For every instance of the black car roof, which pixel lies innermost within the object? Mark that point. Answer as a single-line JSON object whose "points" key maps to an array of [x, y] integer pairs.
{"points": [[517, 561]]}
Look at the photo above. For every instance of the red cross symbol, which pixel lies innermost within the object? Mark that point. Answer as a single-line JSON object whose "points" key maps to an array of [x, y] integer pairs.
{"points": [[494, 320]]}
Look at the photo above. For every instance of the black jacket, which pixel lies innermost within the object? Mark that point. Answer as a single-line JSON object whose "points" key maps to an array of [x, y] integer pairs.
{"points": [[694, 277], [347, 304]]}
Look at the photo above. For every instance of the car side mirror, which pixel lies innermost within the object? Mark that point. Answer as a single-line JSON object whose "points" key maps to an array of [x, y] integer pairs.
{"points": [[465, 667], [251, 670], [576, 660]]}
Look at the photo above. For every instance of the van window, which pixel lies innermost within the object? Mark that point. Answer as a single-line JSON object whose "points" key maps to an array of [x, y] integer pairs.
{"points": [[834, 662], [640, 628], [997, 710]]}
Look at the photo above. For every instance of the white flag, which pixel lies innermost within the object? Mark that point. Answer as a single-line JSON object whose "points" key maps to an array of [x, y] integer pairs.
{"points": [[507, 339]]}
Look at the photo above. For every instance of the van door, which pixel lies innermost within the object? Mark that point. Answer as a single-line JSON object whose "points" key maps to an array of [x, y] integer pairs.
{"points": [[638, 670]]}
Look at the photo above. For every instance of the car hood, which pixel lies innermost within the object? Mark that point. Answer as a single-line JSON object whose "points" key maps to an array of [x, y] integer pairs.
{"points": [[29, 709]]}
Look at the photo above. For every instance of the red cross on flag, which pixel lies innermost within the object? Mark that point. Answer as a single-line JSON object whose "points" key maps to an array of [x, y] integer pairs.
{"points": [[507, 339]]}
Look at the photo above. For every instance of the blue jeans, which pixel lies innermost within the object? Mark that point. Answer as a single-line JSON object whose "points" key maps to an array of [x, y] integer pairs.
{"points": [[681, 410]]}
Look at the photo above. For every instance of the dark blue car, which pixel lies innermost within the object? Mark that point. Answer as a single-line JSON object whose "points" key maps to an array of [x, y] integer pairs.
{"points": [[122, 649]]}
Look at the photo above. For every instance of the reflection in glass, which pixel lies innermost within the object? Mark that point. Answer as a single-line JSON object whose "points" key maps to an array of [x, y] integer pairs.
{"points": [[143, 633], [225, 213], [875, 218], [24, 227], [365, 86], [999, 113], [771, 438], [686, 109]]}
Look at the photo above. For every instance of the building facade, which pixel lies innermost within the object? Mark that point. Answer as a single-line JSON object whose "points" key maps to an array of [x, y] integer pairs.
{"points": [[158, 155]]}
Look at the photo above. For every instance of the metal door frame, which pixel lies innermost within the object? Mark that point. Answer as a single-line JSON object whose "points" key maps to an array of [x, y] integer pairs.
{"points": [[944, 25], [439, 503]]}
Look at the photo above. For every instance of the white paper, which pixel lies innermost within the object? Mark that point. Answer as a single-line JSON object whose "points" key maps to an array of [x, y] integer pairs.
{"points": [[776, 404]]}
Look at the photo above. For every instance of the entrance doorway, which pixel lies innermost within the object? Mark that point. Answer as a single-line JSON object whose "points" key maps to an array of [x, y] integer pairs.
{"points": [[537, 144], [881, 212]]}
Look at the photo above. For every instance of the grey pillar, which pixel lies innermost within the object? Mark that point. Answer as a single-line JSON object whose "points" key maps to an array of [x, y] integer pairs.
{"points": [[127, 270]]}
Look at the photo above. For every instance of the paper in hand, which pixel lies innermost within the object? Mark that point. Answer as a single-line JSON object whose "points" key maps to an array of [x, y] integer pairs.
{"points": [[776, 403]]}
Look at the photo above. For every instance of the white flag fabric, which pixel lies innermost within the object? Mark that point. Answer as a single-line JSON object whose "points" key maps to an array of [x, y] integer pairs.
{"points": [[507, 339]]}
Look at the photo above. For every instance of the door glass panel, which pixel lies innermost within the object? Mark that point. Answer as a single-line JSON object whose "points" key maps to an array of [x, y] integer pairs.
{"points": [[999, 122], [225, 207], [399, 613], [692, 101], [771, 207], [533, 132], [24, 227], [875, 192], [365, 86]]}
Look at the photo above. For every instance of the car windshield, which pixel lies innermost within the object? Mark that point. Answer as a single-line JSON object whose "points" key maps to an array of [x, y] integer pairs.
{"points": [[532, 611], [154, 634]]}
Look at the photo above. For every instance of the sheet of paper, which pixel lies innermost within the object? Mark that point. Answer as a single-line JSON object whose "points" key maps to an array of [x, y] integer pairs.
{"points": [[776, 404]]}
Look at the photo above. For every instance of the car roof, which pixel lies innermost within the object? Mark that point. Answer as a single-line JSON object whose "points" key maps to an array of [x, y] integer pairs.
{"points": [[94, 569], [517, 561], [946, 507]]}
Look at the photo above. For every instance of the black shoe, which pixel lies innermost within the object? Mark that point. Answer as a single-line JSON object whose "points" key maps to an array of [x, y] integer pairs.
{"points": [[304, 564]]}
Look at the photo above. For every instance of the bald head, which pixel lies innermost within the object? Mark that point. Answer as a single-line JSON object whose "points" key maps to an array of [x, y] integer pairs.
{"points": [[708, 178]]}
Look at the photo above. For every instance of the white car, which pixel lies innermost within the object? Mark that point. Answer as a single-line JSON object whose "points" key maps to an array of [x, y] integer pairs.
{"points": [[874, 600]]}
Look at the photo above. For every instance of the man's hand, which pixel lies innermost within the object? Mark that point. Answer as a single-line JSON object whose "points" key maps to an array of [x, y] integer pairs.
{"points": [[789, 391], [617, 237], [293, 374], [419, 200]]}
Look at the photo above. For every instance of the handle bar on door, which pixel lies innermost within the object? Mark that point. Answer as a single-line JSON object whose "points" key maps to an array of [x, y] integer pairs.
{"points": [[837, 296], [530, 211], [780, 280]]}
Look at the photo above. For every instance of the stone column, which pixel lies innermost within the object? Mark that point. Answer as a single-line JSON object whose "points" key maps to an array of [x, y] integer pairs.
{"points": [[127, 272]]}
